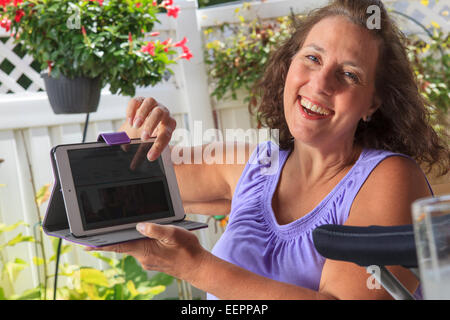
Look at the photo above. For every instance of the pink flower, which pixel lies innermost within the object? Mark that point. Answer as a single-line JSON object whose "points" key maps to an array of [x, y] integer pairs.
{"points": [[130, 37], [167, 44], [173, 11], [83, 31], [181, 43], [149, 48], [154, 34], [19, 14]]}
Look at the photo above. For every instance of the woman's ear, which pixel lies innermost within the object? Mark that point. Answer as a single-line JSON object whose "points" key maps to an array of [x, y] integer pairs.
{"points": [[375, 105]]}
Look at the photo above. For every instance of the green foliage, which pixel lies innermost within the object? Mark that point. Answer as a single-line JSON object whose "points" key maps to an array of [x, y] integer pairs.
{"points": [[124, 279], [10, 269], [92, 38], [239, 61], [431, 64]]}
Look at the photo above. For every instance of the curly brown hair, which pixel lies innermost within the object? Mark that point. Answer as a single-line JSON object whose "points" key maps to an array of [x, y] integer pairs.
{"points": [[400, 124]]}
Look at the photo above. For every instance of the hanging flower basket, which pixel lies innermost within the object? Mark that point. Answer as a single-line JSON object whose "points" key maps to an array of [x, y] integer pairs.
{"points": [[111, 40], [78, 95]]}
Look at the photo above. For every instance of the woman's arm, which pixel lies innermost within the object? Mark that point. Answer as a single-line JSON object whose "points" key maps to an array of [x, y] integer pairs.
{"points": [[385, 200], [177, 252]]}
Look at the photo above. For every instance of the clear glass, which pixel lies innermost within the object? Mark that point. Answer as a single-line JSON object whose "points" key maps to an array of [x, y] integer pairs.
{"points": [[431, 217]]}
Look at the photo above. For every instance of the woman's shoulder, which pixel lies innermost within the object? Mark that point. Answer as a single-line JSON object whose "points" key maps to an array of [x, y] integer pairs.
{"points": [[386, 196]]}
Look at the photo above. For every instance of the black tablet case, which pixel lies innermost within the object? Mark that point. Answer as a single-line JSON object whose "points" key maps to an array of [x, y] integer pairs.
{"points": [[56, 224]]}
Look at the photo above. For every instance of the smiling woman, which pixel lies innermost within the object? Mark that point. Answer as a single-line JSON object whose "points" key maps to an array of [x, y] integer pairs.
{"points": [[351, 124], [400, 123]]}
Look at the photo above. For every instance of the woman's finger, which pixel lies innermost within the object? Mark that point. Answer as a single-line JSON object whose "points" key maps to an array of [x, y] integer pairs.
{"points": [[144, 110], [132, 107], [158, 232], [159, 114], [118, 248]]}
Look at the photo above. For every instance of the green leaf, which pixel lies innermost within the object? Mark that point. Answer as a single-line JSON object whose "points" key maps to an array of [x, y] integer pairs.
{"points": [[6, 228], [38, 261], [161, 279], [43, 194], [133, 271], [110, 261], [30, 294], [2, 294], [93, 276], [13, 268], [18, 239], [152, 290]]}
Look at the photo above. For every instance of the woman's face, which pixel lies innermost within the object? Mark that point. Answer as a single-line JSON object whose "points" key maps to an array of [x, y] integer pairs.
{"points": [[330, 84]]}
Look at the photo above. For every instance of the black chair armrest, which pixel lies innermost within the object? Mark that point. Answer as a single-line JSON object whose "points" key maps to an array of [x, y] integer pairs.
{"points": [[365, 246]]}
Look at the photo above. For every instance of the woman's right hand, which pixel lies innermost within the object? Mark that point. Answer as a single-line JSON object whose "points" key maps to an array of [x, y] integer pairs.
{"points": [[151, 119]]}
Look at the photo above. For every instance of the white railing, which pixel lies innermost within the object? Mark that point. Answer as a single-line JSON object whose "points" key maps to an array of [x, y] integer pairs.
{"points": [[29, 129]]}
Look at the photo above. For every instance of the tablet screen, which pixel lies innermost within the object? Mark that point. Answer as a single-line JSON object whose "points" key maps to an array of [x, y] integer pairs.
{"points": [[117, 185]]}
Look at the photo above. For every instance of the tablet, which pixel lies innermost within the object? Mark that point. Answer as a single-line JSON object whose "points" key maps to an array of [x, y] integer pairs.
{"points": [[110, 188]]}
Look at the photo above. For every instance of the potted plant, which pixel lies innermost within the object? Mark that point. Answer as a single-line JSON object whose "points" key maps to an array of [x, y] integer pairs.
{"points": [[238, 61], [88, 44]]}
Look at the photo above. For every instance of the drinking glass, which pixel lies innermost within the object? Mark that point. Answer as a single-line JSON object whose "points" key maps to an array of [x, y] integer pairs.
{"points": [[431, 220]]}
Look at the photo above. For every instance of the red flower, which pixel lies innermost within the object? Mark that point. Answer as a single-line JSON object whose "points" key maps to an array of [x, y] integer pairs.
{"points": [[19, 14], [130, 37], [154, 34], [6, 24], [83, 31], [185, 49], [16, 2], [168, 3], [138, 5], [173, 11], [49, 64], [149, 48], [186, 55]]}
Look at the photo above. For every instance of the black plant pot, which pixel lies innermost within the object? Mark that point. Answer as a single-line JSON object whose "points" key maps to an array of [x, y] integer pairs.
{"points": [[78, 95]]}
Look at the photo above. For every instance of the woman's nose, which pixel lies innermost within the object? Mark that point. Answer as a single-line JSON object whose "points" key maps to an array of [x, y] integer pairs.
{"points": [[324, 81]]}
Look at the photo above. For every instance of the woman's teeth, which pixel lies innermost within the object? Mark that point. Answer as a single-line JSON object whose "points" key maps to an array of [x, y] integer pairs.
{"points": [[314, 108]]}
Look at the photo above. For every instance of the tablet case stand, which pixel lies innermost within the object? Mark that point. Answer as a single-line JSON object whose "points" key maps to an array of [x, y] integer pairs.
{"points": [[55, 222]]}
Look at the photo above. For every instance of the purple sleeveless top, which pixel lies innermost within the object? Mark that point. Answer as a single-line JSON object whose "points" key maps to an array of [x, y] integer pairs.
{"points": [[255, 241]]}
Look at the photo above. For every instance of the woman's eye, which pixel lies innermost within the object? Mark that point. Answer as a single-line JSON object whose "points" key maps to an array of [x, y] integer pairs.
{"points": [[312, 58], [352, 76]]}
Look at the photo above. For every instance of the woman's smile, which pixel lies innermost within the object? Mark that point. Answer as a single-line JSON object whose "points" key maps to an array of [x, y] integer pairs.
{"points": [[312, 110]]}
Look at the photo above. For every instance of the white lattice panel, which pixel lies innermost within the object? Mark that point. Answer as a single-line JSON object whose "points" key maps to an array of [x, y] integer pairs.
{"points": [[21, 68]]}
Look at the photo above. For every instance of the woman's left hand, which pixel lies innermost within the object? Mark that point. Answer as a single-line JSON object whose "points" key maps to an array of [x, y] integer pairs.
{"points": [[169, 249]]}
